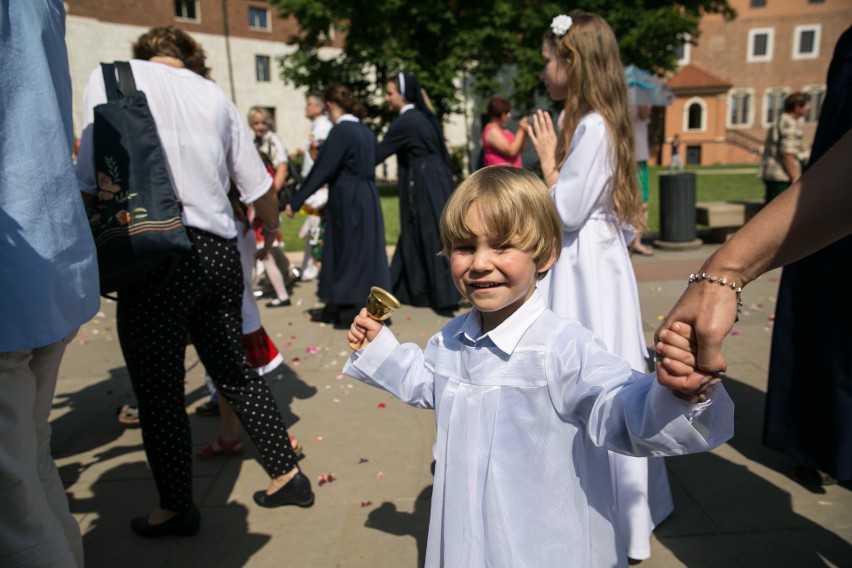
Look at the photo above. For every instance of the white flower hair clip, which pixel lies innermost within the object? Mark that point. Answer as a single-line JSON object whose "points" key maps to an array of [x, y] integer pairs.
{"points": [[560, 25]]}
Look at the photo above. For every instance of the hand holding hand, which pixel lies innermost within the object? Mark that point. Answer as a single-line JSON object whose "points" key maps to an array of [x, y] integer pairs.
{"points": [[288, 211], [676, 364], [710, 312], [363, 330]]}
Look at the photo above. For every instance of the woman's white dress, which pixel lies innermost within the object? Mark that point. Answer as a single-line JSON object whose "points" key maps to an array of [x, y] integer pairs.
{"points": [[593, 282]]}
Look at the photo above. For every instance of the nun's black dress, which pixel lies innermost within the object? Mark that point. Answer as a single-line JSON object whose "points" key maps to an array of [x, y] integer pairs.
{"points": [[354, 253], [419, 277]]}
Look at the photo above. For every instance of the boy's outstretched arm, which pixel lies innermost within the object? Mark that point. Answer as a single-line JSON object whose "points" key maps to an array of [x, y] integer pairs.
{"points": [[675, 363], [364, 329]]}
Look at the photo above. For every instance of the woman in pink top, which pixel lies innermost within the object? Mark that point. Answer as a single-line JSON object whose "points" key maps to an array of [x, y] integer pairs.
{"points": [[500, 146]]}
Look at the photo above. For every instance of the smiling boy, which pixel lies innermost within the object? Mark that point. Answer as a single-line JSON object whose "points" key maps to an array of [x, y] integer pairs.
{"points": [[527, 404]]}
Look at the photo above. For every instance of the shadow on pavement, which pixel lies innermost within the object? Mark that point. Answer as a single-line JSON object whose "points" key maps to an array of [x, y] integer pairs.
{"points": [[387, 518], [735, 504]]}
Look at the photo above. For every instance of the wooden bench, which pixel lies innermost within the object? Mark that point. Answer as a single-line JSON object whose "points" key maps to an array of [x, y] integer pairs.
{"points": [[723, 218]]}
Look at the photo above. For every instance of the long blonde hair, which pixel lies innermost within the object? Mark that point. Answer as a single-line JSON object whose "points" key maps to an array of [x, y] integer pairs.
{"points": [[596, 83]]}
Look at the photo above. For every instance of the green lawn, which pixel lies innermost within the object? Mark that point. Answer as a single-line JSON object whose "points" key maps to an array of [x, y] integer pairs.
{"points": [[390, 211], [710, 187]]}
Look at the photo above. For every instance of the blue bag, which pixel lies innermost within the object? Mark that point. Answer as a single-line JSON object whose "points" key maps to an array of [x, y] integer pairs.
{"points": [[136, 217]]}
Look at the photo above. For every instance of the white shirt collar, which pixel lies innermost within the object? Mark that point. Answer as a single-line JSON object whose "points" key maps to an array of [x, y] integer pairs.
{"points": [[406, 108], [506, 335], [347, 118]]}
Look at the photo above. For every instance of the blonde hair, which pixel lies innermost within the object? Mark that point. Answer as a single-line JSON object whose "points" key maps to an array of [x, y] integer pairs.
{"points": [[515, 206], [172, 42], [596, 83], [264, 114]]}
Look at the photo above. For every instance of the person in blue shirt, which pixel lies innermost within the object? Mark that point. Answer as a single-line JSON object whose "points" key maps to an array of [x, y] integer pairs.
{"points": [[49, 276]]}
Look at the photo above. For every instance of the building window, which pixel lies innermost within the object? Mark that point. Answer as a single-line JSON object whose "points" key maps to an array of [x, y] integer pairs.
{"points": [[773, 104], [695, 115], [806, 41], [186, 10], [760, 43], [261, 68], [739, 104], [758, 3], [682, 51], [258, 18], [693, 119], [817, 95]]}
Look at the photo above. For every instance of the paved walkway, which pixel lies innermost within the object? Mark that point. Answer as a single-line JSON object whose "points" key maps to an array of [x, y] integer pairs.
{"points": [[737, 506]]}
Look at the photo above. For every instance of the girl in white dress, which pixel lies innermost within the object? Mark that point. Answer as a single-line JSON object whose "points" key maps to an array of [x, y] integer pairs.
{"points": [[590, 167]]}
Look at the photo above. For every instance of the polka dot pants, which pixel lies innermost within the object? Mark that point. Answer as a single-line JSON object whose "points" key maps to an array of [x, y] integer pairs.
{"points": [[201, 300]]}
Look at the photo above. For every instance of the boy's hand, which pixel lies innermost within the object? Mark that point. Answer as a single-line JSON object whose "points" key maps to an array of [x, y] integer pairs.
{"points": [[363, 330], [675, 364]]}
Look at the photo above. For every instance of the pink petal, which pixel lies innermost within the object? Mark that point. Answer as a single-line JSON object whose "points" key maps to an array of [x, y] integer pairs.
{"points": [[381, 405]]}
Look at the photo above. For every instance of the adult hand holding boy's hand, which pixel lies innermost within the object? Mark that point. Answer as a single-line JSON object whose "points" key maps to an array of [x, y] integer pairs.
{"points": [[364, 329], [676, 367]]}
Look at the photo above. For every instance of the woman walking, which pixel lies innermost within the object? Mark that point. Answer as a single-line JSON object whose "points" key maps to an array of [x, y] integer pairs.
{"points": [[354, 257], [419, 276]]}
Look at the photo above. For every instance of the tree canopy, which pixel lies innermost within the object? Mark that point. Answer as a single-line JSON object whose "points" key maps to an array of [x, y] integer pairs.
{"points": [[455, 45]]}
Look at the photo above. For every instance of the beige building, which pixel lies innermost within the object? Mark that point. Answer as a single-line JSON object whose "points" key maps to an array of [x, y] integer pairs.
{"points": [[732, 83], [243, 40]]}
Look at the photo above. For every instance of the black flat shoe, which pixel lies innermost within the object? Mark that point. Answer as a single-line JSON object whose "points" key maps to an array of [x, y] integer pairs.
{"points": [[278, 303], [296, 492], [323, 315], [185, 523]]}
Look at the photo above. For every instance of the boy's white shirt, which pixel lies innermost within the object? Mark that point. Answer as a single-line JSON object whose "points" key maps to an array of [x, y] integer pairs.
{"points": [[525, 414]]}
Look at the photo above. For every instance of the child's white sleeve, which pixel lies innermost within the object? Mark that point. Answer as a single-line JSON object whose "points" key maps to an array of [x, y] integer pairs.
{"points": [[629, 412], [400, 369], [657, 423]]}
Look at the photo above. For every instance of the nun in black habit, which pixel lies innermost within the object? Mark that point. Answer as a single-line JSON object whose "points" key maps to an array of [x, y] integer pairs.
{"points": [[354, 253], [419, 277]]}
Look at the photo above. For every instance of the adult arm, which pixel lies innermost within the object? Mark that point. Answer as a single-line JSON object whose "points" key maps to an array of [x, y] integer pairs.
{"points": [[282, 162], [790, 164], [811, 214], [328, 162], [494, 136], [395, 140]]}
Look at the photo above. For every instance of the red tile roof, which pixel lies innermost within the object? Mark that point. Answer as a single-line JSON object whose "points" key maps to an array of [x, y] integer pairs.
{"points": [[694, 78]]}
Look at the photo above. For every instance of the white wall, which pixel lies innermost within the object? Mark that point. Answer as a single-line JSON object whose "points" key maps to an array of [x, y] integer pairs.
{"points": [[91, 42]]}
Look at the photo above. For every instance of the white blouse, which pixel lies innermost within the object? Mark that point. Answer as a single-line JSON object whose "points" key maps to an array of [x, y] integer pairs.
{"points": [[205, 140], [525, 415]]}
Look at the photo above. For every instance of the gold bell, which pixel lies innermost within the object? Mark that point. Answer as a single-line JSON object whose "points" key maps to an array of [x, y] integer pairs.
{"points": [[380, 305]]}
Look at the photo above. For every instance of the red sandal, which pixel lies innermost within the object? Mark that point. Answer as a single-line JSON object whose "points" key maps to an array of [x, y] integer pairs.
{"points": [[224, 449]]}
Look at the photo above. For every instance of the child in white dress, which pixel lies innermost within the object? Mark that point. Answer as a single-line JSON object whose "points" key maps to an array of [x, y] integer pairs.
{"points": [[527, 404], [590, 167]]}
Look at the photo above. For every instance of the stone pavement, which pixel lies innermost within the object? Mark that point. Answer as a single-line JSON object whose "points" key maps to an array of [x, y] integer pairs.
{"points": [[737, 506]]}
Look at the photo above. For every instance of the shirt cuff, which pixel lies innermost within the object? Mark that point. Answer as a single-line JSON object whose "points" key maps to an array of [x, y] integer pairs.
{"points": [[369, 358], [668, 407]]}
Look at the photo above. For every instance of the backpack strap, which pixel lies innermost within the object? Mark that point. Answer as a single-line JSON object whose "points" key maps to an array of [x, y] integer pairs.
{"points": [[110, 83], [126, 84], [121, 87]]}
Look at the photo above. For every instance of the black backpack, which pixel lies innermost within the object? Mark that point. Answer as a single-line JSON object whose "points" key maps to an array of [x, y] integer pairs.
{"points": [[136, 216]]}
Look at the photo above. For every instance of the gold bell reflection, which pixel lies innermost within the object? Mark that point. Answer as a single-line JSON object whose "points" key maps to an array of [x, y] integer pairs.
{"points": [[380, 305]]}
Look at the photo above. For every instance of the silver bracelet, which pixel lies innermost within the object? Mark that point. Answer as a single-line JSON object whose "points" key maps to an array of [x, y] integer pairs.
{"points": [[271, 231], [724, 282]]}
